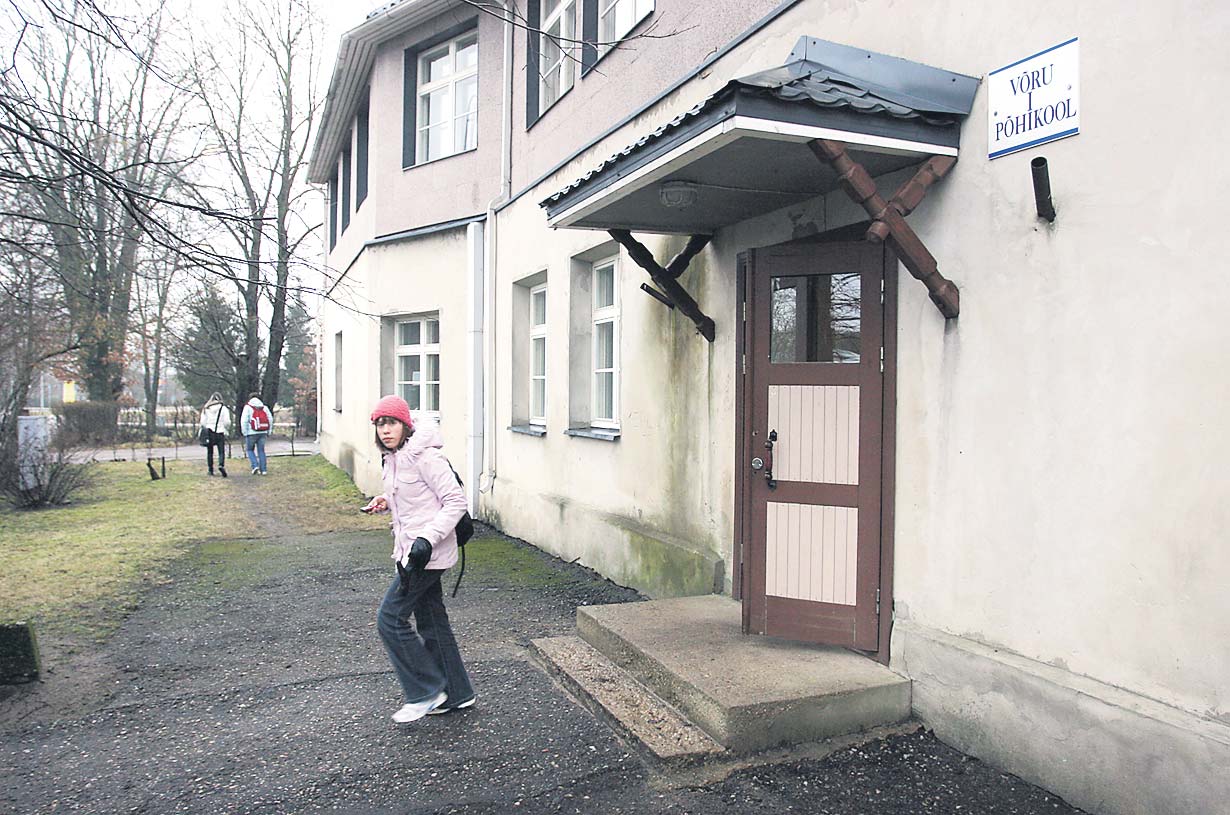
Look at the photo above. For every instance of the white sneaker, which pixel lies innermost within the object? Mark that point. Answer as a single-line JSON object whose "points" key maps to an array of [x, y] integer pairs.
{"points": [[449, 707], [414, 712]]}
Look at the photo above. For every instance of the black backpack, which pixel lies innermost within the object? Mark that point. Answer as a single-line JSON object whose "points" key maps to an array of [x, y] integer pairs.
{"points": [[464, 530]]}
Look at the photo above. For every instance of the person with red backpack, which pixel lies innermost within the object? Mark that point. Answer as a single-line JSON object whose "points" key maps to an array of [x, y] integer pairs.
{"points": [[256, 422]]}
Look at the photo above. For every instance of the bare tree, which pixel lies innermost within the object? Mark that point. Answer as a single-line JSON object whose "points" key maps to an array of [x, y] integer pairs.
{"points": [[154, 310], [258, 89], [89, 139]]}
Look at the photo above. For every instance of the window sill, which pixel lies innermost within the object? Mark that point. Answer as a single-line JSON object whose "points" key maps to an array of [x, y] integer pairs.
{"points": [[599, 433], [416, 165], [529, 429]]}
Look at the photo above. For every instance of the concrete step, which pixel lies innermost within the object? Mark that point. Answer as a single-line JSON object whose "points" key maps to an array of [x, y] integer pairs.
{"points": [[636, 713], [748, 693]]}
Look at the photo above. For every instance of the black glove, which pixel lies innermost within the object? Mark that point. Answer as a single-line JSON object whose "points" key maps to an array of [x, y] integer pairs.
{"points": [[420, 554]]}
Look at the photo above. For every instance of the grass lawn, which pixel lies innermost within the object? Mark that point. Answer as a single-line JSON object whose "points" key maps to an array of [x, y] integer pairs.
{"points": [[77, 570]]}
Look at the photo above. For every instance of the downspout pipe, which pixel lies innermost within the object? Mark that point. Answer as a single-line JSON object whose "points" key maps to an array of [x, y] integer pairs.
{"points": [[485, 378]]}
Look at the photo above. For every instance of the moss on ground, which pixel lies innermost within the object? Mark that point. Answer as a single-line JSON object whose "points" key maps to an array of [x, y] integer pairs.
{"points": [[496, 559]]}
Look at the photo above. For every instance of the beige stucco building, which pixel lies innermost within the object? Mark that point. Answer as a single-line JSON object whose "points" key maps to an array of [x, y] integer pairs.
{"points": [[1020, 509]]}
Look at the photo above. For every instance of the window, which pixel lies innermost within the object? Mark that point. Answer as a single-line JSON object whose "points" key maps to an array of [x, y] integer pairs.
{"points": [[361, 140], [337, 372], [345, 189], [538, 355], [605, 399], [618, 17], [332, 203], [447, 119], [418, 363], [557, 60]]}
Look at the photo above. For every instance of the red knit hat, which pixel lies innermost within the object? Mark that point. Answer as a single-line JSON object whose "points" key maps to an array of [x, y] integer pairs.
{"points": [[395, 407]]}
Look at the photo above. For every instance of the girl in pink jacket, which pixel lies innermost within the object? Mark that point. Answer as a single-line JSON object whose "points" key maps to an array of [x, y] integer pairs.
{"points": [[422, 493]]}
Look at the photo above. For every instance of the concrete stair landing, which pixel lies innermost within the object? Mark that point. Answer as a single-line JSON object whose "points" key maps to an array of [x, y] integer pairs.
{"points": [[746, 693]]}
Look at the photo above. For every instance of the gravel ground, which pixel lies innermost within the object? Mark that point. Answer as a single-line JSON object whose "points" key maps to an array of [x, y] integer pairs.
{"points": [[255, 682]]}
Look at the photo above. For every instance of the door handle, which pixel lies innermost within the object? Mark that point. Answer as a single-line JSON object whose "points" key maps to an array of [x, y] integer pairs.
{"points": [[768, 470]]}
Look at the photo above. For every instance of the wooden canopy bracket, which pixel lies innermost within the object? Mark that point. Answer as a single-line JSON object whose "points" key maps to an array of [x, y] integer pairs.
{"points": [[889, 216], [668, 278]]}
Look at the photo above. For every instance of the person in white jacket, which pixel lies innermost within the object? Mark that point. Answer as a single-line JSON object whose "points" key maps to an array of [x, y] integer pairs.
{"points": [[215, 421], [256, 422]]}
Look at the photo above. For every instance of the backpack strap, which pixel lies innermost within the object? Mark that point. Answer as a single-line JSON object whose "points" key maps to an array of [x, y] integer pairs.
{"points": [[462, 573]]}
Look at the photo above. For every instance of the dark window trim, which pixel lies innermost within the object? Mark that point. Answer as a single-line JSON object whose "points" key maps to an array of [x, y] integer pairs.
{"points": [[345, 189], [362, 123], [333, 210], [589, 35], [533, 59], [410, 85], [409, 106]]}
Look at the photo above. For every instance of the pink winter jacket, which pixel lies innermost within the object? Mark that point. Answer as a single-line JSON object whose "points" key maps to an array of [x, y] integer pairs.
{"points": [[424, 497]]}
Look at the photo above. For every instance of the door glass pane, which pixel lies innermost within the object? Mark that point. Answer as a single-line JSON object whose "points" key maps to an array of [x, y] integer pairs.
{"points": [[408, 334], [816, 318], [540, 357], [604, 346], [433, 332], [604, 286]]}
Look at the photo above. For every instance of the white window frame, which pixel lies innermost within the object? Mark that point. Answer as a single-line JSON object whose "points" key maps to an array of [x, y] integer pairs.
{"points": [[538, 331], [450, 81], [565, 15], [423, 349], [610, 32], [337, 372], [601, 315]]}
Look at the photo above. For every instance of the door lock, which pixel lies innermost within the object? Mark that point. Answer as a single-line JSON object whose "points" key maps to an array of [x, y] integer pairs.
{"points": [[758, 464]]}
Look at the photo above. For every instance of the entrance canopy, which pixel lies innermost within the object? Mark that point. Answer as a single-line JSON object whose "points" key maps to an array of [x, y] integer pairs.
{"points": [[744, 151]]}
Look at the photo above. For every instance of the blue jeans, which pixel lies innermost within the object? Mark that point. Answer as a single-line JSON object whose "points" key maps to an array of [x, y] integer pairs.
{"points": [[426, 661], [256, 450]]}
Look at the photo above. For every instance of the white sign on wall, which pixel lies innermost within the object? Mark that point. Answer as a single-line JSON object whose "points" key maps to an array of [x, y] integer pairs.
{"points": [[1034, 100]]}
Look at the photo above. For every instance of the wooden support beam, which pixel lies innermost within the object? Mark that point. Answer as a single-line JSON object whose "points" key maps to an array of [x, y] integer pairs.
{"points": [[667, 281], [889, 218], [679, 264]]}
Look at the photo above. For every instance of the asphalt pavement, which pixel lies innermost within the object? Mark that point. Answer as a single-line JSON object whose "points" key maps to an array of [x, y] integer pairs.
{"points": [[254, 682]]}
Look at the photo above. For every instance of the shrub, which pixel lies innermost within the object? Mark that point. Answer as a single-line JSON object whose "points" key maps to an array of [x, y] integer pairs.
{"points": [[45, 477], [87, 422]]}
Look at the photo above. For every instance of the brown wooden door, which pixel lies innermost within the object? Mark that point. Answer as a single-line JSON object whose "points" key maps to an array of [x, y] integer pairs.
{"points": [[815, 391]]}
